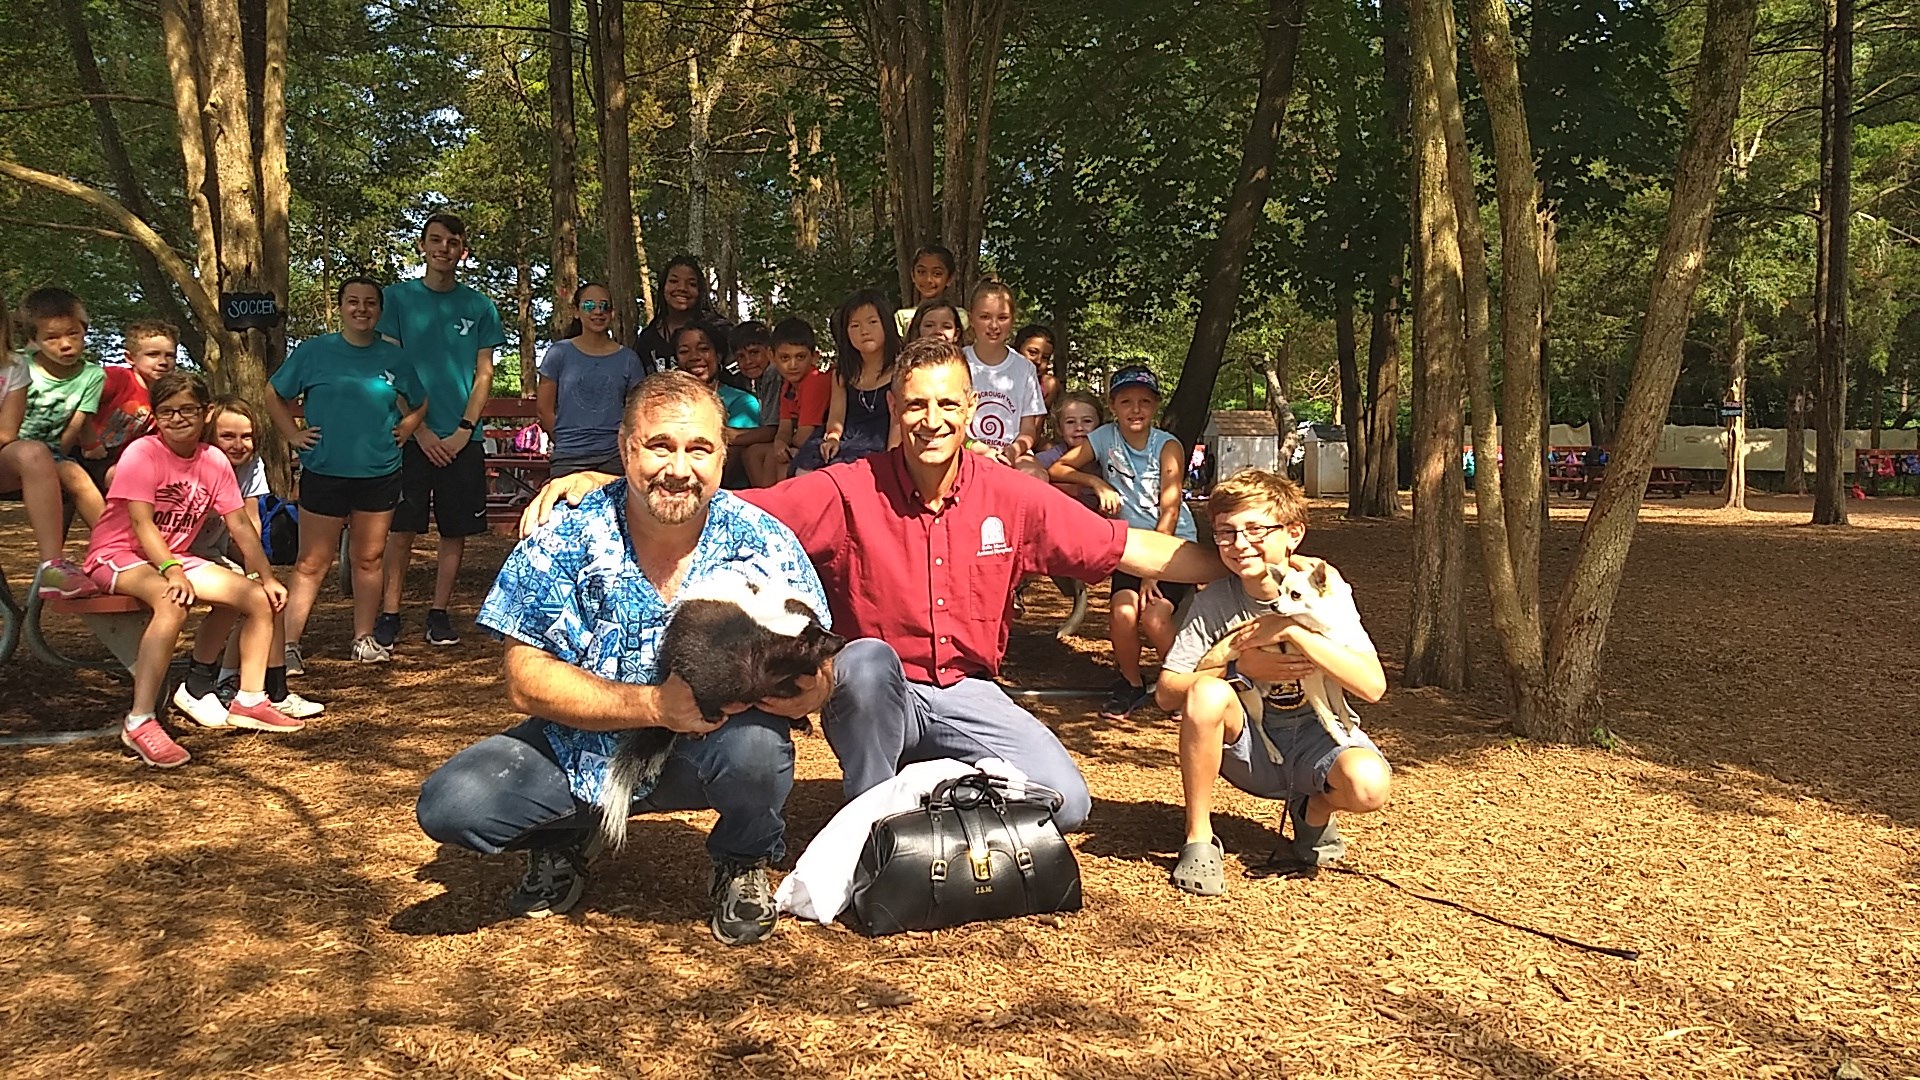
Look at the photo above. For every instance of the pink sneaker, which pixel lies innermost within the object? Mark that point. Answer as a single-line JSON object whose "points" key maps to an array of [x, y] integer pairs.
{"points": [[155, 746], [61, 580], [260, 717]]}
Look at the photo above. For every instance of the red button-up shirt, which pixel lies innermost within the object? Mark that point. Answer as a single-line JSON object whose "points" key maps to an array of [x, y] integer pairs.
{"points": [[938, 587]]}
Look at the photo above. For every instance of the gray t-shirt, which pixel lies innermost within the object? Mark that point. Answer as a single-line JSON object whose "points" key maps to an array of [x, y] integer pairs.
{"points": [[1213, 614], [590, 393]]}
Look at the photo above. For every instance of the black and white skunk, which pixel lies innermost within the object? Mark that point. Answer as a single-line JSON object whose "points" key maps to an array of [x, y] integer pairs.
{"points": [[733, 638]]}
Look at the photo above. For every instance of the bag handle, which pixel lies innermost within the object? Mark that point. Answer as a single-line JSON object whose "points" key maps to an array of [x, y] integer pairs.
{"points": [[978, 788]]}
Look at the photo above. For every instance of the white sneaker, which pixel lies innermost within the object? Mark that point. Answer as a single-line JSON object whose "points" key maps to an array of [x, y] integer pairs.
{"points": [[298, 707], [368, 651], [205, 711], [296, 664]]}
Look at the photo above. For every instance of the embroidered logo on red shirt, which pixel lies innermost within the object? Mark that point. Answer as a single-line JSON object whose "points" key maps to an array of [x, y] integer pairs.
{"points": [[993, 538]]}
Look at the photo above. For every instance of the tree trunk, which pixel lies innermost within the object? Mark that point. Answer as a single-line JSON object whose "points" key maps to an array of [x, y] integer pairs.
{"points": [[703, 96], [155, 287], [1523, 259], [1836, 212], [1736, 486], [1220, 295], [805, 206], [1352, 396], [1579, 631], [523, 298], [1273, 374], [1437, 630], [1795, 481], [563, 148], [1383, 409], [643, 271], [899, 37], [267, 84], [609, 54], [1877, 413], [971, 33]]}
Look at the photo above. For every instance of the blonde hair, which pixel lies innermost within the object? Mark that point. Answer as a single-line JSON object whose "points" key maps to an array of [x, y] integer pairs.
{"points": [[991, 287], [1258, 487]]}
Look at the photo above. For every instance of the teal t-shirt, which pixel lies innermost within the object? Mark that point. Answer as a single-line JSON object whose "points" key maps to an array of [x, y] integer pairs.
{"points": [[743, 406], [442, 332], [353, 396], [51, 402]]}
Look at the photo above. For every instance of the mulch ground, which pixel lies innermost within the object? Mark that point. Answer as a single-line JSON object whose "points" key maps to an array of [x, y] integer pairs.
{"points": [[271, 910]]}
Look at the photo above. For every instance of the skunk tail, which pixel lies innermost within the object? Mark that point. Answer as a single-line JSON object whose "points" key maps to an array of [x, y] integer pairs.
{"points": [[636, 766]]}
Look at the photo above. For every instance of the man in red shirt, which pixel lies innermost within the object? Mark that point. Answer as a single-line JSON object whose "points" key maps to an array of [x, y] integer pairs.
{"points": [[919, 550]]}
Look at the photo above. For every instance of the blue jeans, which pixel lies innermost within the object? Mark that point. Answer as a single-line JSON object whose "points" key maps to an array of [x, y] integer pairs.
{"points": [[878, 720], [508, 791]]}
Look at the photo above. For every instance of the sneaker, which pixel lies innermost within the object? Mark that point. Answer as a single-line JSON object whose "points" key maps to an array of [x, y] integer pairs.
{"points": [[1122, 698], [440, 629], [260, 716], [61, 580], [154, 745], [368, 650], [296, 664], [554, 880], [743, 908], [386, 628], [207, 711], [297, 707]]}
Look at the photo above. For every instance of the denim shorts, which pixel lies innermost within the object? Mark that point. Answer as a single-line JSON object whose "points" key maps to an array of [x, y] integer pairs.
{"points": [[1307, 754]]}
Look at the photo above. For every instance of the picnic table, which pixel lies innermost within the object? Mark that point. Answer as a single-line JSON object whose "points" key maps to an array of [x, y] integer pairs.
{"points": [[1580, 470]]}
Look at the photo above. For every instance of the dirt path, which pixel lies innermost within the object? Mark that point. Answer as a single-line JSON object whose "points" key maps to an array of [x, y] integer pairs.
{"points": [[271, 910]]}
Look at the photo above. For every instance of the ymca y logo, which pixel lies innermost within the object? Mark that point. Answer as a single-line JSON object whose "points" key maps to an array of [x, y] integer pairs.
{"points": [[466, 327]]}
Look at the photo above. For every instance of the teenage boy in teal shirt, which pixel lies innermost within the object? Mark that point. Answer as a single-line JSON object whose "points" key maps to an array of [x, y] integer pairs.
{"points": [[450, 331]]}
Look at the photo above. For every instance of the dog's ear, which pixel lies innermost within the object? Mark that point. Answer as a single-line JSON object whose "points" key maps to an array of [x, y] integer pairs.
{"points": [[1318, 578]]}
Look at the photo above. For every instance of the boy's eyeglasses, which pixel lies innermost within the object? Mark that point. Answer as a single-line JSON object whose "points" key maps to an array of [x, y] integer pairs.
{"points": [[1254, 534], [591, 306]]}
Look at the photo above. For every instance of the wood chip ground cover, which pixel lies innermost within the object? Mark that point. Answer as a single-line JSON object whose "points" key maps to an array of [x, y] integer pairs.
{"points": [[272, 910]]}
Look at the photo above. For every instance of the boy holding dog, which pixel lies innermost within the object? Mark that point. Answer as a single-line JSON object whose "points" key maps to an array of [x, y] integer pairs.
{"points": [[1243, 713]]}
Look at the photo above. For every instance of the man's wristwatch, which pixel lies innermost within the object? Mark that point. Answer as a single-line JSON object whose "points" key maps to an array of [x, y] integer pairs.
{"points": [[465, 424]]}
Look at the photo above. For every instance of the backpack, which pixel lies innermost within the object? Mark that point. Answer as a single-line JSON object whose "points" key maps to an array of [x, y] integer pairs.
{"points": [[279, 530]]}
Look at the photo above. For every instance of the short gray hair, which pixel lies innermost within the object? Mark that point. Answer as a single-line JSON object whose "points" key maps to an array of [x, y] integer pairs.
{"points": [[667, 388]]}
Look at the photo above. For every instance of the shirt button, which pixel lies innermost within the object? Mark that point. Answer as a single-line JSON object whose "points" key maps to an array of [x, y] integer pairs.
{"points": [[937, 562], [943, 641], [940, 603]]}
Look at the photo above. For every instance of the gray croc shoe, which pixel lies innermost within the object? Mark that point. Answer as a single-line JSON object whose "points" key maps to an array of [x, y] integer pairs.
{"points": [[1202, 869]]}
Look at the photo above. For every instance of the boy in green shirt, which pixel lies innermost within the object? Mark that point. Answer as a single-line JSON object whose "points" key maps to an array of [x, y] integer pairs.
{"points": [[450, 331]]}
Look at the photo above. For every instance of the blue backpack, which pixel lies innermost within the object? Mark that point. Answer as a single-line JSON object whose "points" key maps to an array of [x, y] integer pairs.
{"points": [[279, 530]]}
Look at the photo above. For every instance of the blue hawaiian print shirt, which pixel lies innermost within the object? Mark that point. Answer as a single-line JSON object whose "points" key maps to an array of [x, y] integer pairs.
{"points": [[574, 590]]}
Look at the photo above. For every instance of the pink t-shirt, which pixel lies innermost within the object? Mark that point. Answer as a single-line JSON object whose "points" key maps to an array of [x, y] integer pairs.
{"points": [[183, 491]]}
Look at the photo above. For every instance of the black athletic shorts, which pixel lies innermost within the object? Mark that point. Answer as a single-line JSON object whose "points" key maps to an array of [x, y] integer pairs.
{"points": [[456, 495], [1174, 591], [340, 496]]}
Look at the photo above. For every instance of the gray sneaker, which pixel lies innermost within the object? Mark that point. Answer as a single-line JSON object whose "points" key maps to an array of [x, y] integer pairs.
{"points": [[368, 650], [296, 664], [554, 880], [743, 907]]}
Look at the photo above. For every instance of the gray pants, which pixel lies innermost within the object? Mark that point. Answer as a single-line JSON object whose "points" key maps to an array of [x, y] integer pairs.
{"points": [[878, 721]]}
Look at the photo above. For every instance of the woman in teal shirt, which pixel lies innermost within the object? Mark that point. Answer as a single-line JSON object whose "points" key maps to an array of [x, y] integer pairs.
{"points": [[362, 401]]}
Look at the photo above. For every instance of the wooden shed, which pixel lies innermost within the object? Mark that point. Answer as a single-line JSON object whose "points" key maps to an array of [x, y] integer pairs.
{"points": [[1242, 439]]}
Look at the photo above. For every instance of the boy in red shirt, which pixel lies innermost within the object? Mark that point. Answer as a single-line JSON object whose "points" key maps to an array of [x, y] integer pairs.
{"points": [[804, 394], [125, 411]]}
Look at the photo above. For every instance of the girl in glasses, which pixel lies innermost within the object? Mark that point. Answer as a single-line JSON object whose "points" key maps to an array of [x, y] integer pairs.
{"points": [[584, 381]]}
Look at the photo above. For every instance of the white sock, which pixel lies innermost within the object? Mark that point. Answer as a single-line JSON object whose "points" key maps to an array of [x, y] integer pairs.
{"points": [[228, 673], [250, 697], [135, 719]]}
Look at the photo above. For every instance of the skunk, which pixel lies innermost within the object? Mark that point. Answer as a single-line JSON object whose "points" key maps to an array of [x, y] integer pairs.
{"points": [[733, 638]]}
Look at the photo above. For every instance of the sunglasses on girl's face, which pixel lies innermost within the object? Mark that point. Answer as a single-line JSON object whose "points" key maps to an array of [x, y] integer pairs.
{"points": [[591, 306]]}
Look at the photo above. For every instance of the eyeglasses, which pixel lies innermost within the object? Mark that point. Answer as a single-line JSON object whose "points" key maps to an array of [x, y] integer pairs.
{"points": [[1253, 534], [591, 306], [177, 414]]}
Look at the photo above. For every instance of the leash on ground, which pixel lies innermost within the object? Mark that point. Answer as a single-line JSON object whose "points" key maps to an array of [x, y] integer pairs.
{"points": [[1290, 869]]}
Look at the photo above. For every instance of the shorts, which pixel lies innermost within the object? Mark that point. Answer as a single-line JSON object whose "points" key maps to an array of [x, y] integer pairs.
{"points": [[105, 570], [1307, 754], [567, 466], [339, 496], [1174, 591], [98, 468], [456, 495]]}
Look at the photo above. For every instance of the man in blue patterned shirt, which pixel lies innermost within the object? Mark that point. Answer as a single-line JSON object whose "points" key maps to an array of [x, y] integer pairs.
{"points": [[582, 604]]}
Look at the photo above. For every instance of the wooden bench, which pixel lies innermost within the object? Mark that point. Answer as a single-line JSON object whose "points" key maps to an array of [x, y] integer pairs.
{"points": [[512, 478], [1668, 481]]}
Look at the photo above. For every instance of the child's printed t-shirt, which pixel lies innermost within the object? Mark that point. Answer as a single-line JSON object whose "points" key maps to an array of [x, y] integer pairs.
{"points": [[52, 401], [124, 415], [1005, 393], [14, 373], [252, 480], [806, 404], [184, 492], [1135, 474], [1217, 611]]}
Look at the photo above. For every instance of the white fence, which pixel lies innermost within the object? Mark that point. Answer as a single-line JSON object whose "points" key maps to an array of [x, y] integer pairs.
{"points": [[1702, 447]]}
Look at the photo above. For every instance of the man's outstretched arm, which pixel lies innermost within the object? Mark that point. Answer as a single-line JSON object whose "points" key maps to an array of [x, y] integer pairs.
{"points": [[1151, 554], [543, 685]]}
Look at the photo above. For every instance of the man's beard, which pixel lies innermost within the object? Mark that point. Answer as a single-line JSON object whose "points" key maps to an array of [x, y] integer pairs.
{"points": [[672, 504]]}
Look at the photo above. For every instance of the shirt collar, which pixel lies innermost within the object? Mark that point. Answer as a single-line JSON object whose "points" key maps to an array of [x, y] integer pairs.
{"points": [[910, 495]]}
